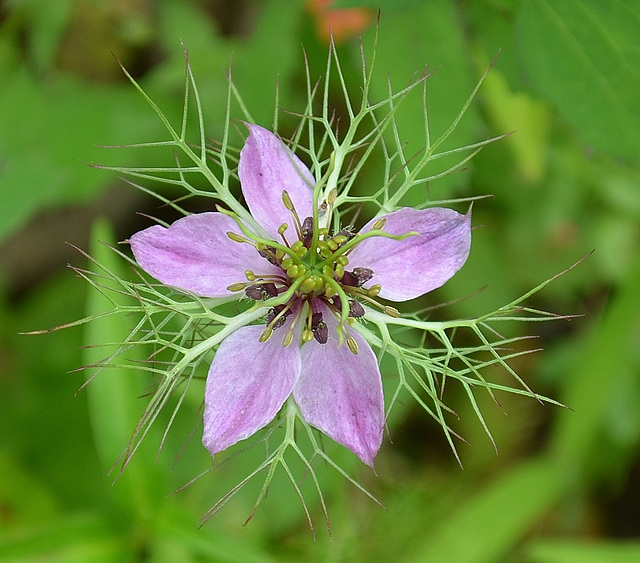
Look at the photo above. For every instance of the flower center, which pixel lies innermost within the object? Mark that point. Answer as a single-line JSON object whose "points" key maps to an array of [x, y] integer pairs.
{"points": [[314, 272]]}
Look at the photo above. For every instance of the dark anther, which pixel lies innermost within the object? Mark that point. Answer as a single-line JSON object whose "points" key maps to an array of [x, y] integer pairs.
{"points": [[254, 292], [355, 309], [357, 278], [363, 275], [270, 254], [344, 233], [269, 290], [349, 279], [319, 328], [273, 313], [307, 231], [262, 291]]}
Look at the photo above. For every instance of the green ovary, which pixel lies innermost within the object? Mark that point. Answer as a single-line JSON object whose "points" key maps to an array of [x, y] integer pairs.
{"points": [[315, 269]]}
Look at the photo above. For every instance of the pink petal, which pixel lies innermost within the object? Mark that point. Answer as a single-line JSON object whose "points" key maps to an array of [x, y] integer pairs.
{"points": [[266, 168], [418, 264], [196, 255], [248, 383], [340, 393]]}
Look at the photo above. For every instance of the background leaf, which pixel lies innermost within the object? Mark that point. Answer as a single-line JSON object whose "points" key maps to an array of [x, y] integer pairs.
{"points": [[583, 56]]}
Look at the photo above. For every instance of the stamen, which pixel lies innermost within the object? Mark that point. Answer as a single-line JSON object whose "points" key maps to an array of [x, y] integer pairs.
{"points": [[332, 288], [352, 344], [281, 229], [266, 334], [391, 311], [306, 231], [286, 200], [262, 292], [235, 237], [252, 238], [374, 290], [277, 316], [319, 328], [239, 286], [288, 337], [348, 246], [346, 233], [299, 248], [269, 254], [377, 226], [309, 284], [358, 277], [355, 309]]}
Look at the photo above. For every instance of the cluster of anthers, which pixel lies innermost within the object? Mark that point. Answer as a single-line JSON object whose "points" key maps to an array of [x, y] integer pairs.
{"points": [[314, 270]]}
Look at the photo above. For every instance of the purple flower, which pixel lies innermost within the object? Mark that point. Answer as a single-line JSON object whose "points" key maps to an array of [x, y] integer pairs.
{"points": [[310, 347]]}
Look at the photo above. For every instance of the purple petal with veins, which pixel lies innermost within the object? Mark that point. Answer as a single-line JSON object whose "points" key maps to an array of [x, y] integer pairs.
{"points": [[195, 254], [340, 393], [408, 268], [266, 168], [248, 383]]}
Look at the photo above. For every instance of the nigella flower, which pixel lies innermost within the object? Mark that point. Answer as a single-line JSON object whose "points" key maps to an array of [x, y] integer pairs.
{"points": [[315, 286]]}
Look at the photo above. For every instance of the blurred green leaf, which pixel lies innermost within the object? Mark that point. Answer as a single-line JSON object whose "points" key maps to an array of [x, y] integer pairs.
{"points": [[178, 537], [566, 551], [583, 56], [71, 539], [529, 120], [114, 393], [49, 20], [47, 131], [594, 384], [22, 494], [210, 55], [430, 35], [489, 525]]}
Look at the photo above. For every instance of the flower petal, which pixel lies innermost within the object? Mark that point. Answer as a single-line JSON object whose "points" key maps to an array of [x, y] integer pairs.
{"points": [[340, 393], [408, 268], [266, 168], [195, 254], [247, 385]]}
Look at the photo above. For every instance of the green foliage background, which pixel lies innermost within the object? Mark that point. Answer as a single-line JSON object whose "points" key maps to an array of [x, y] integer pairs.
{"points": [[565, 484]]}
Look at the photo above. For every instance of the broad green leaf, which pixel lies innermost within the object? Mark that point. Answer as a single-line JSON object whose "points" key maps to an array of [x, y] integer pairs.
{"points": [[177, 537], [47, 134], [211, 54], [489, 525], [567, 551], [428, 35], [114, 394], [583, 56], [48, 20], [71, 539], [23, 496], [596, 380], [529, 119]]}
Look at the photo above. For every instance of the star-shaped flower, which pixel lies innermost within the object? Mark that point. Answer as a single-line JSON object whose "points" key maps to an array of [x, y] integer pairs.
{"points": [[321, 282]]}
